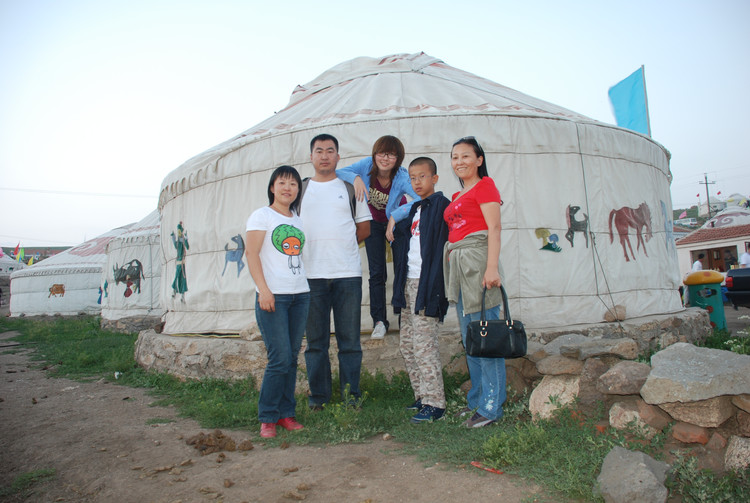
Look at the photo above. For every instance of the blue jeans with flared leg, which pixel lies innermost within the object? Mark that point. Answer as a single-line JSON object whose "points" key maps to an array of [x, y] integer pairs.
{"points": [[344, 297], [487, 393], [376, 254], [282, 332]]}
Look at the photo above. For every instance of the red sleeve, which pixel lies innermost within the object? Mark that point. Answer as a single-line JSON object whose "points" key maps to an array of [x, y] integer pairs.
{"points": [[486, 191]]}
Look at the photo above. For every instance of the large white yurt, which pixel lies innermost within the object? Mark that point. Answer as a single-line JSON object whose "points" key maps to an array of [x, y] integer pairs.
{"points": [[67, 283], [586, 214], [131, 277]]}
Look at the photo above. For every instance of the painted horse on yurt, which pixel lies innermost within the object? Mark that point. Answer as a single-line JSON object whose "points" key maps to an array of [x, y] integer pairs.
{"points": [[624, 219]]}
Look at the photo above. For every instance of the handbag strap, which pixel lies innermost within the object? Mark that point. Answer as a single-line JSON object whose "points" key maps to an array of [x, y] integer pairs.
{"points": [[506, 311]]}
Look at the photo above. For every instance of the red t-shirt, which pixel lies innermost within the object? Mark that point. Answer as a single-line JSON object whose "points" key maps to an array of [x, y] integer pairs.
{"points": [[464, 216]]}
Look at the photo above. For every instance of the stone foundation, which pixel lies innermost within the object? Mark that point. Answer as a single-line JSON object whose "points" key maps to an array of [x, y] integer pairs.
{"points": [[131, 324], [234, 357]]}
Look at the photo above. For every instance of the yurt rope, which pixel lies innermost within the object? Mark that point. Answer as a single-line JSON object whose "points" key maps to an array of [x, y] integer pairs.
{"points": [[595, 253]]}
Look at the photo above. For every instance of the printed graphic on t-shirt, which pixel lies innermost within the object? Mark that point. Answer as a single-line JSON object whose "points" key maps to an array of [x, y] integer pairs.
{"points": [[289, 240], [415, 227], [378, 199], [455, 217]]}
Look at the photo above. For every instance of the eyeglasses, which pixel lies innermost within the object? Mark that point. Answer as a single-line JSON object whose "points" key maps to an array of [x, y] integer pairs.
{"points": [[383, 155]]}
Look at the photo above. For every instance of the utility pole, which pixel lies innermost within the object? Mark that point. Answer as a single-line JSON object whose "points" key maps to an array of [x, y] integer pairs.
{"points": [[708, 199]]}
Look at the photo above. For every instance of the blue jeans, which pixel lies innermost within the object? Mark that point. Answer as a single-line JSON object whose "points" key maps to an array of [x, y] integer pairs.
{"points": [[375, 247], [344, 296], [282, 333], [487, 393]]}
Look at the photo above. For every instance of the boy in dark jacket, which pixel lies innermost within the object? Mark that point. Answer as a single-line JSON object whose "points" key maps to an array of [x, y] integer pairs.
{"points": [[419, 290]]}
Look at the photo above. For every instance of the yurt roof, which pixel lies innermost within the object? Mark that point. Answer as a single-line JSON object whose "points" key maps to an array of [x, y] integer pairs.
{"points": [[392, 87], [144, 230], [728, 217], [89, 256], [7, 262]]}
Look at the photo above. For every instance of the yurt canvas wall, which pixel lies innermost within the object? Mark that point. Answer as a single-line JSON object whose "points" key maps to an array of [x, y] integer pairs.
{"points": [[67, 283], [132, 276], [549, 163]]}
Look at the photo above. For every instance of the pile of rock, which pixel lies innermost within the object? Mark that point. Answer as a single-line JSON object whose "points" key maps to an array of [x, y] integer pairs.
{"points": [[704, 393]]}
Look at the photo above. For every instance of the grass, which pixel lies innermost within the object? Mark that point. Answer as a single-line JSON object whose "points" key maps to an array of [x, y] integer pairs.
{"points": [[563, 454], [23, 485]]}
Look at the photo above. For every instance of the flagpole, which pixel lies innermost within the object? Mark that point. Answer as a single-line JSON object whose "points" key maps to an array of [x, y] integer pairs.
{"points": [[645, 99]]}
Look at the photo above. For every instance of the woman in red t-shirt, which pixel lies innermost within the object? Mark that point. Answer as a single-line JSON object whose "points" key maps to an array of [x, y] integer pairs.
{"points": [[472, 263]]}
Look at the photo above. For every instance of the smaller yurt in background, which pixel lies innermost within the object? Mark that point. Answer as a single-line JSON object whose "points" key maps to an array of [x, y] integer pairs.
{"points": [[8, 266], [130, 279], [66, 284]]}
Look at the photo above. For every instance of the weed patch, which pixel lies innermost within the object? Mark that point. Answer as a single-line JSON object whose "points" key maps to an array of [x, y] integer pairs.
{"points": [[24, 484]]}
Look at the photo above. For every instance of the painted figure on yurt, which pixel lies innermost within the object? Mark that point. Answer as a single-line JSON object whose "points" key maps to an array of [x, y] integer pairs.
{"points": [[382, 181], [179, 285]]}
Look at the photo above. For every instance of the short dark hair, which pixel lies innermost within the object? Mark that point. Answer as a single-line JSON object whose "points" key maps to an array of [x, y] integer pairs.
{"points": [[478, 151], [286, 172], [324, 137], [425, 160], [701, 255]]}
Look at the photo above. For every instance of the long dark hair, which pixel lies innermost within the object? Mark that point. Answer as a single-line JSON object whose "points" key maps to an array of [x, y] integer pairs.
{"points": [[478, 151], [386, 145], [286, 172]]}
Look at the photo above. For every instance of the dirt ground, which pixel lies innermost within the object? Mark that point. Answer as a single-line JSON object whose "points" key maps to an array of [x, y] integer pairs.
{"points": [[97, 437]]}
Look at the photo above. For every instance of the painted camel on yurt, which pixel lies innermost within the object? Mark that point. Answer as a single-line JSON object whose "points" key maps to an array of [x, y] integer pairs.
{"points": [[627, 217]]}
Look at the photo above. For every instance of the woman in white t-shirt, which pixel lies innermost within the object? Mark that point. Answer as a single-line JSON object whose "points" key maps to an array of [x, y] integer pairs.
{"points": [[274, 243]]}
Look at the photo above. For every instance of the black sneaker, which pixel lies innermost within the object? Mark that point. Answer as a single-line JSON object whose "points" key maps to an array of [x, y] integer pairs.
{"points": [[478, 421], [428, 414], [416, 405]]}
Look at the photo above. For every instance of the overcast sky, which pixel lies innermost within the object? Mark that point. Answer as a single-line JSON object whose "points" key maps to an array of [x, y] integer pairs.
{"points": [[99, 99]]}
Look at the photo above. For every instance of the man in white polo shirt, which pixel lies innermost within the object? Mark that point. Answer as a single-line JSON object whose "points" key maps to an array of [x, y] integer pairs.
{"points": [[334, 224]]}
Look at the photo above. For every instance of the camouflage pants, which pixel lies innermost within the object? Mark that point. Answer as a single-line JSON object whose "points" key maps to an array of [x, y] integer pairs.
{"points": [[419, 347]]}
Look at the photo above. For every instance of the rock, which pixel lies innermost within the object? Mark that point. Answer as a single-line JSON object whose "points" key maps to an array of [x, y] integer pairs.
{"points": [[625, 378], [737, 456], [593, 368], [653, 415], [690, 434], [685, 373], [625, 416], [743, 422], [515, 381], [624, 348], [627, 477], [251, 333], [619, 313], [708, 413], [717, 442], [535, 351], [559, 365], [742, 402], [553, 348], [563, 389]]}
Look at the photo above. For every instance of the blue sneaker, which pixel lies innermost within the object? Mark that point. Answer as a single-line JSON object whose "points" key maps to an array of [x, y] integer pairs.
{"points": [[428, 414], [416, 405]]}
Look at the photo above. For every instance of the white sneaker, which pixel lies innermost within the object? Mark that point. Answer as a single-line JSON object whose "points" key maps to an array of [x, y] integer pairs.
{"points": [[379, 331]]}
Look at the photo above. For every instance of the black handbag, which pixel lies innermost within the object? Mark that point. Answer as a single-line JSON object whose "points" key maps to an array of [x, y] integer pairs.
{"points": [[496, 338]]}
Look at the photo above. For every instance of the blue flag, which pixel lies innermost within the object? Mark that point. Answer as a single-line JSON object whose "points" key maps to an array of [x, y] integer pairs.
{"points": [[630, 104]]}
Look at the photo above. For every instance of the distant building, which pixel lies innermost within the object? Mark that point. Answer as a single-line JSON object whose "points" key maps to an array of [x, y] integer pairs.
{"points": [[716, 207], [722, 239]]}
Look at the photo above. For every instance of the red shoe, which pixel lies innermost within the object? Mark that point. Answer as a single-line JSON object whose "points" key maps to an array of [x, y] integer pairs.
{"points": [[267, 430], [289, 423]]}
